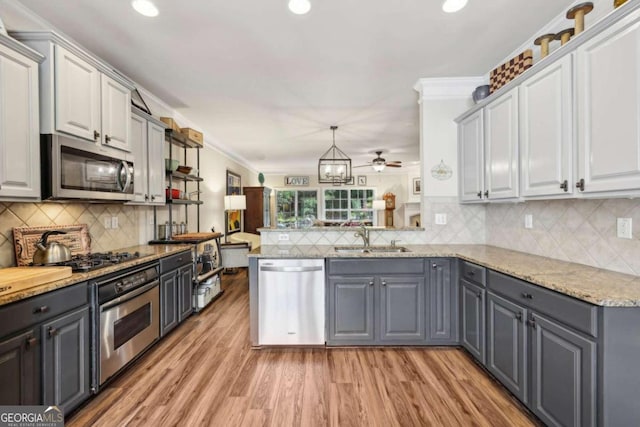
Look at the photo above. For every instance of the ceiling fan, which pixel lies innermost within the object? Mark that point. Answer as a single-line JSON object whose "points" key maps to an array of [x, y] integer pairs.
{"points": [[380, 163]]}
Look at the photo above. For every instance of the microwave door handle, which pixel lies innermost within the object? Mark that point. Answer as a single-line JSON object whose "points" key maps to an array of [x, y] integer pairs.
{"points": [[129, 176], [118, 176]]}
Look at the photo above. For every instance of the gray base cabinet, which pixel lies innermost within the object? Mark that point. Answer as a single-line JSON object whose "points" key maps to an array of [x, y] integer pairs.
{"points": [[562, 375], [351, 309], [443, 302], [376, 302], [176, 290], [506, 341], [65, 364], [472, 319], [168, 302], [19, 369], [185, 292], [402, 306]]}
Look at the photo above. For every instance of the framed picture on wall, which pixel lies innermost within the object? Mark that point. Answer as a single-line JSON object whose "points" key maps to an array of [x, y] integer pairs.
{"points": [[417, 185], [234, 188]]}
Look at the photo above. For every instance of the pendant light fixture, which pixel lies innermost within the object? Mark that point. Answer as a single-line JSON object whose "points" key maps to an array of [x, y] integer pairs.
{"points": [[334, 167]]}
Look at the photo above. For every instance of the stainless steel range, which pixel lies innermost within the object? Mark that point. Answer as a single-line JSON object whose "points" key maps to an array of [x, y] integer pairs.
{"points": [[127, 318], [90, 262]]}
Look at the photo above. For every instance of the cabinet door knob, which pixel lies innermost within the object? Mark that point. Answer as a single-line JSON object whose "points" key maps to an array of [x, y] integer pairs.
{"points": [[519, 317], [565, 186], [96, 135], [480, 194], [527, 296], [532, 323], [146, 197], [107, 139], [371, 283], [52, 331], [479, 294], [42, 309], [153, 197], [434, 266], [31, 342], [580, 184], [384, 283], [471, 273], [486, 194]]}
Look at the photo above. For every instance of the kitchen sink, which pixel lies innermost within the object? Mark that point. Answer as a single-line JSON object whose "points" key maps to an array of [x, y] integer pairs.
{"points": [[370, 249]]}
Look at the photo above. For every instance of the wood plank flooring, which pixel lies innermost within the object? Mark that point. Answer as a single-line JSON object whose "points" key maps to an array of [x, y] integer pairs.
{"points": [[206, 374]]}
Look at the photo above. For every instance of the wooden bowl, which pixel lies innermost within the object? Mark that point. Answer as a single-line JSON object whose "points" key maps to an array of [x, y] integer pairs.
{"points": [[185, 169]]}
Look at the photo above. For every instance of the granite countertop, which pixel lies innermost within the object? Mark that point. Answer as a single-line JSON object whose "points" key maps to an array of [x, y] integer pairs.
{"points": [[147, 253], [594, 285]]}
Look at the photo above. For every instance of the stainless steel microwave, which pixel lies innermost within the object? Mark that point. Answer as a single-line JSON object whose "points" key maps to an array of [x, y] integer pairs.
{"points": [[78, 169]]}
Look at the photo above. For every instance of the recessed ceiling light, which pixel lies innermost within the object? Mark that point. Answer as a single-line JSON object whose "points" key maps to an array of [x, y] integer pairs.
{"points": [[299, 7], [451, 6], [145, 7]]}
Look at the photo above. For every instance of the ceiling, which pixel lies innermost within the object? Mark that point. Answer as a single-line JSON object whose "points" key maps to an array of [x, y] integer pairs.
{"points": [[265, 84]]}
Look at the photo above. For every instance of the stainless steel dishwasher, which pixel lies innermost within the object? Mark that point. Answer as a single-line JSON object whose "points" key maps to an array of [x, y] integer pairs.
{"points": [[291, 302]]}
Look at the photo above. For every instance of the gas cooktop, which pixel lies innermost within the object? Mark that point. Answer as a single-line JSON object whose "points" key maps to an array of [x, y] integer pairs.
{"points": [[90, 262]]}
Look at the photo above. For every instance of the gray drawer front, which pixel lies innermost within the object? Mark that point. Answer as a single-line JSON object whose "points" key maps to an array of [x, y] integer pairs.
{"points": [[175, 261], [376, 266], [473, 273], [577, 314], [26, 313]]}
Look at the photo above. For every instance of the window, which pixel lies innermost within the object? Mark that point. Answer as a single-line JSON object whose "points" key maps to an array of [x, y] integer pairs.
{"points": [[352, 204], [295, 205]]}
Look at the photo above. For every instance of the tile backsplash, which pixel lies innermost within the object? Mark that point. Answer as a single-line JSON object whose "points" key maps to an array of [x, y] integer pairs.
{"points": [[581, 231], [94, 215]]}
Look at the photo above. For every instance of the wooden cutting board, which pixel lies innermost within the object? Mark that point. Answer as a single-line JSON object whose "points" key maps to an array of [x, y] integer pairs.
{"points": [[14, 279]]}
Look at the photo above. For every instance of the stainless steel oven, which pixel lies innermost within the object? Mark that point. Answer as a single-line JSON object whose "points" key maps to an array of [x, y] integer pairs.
{"points": [[78, 169], [129, 317]]}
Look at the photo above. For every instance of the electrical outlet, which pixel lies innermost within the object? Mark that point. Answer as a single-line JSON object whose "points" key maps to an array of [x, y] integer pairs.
{"points": [[625, 228], [114, 222], [441, 219], [528, 221], [283, 237], [107, 223]]}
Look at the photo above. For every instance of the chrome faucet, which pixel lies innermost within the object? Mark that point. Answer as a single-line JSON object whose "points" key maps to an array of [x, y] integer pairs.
{"points": [[364, 233]]}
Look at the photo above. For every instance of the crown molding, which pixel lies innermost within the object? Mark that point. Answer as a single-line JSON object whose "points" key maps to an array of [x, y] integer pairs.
{"points": [[447, 87]]}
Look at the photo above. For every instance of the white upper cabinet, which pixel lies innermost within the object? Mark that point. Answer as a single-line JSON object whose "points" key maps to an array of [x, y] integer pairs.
{"points": [[471, 157], [77, 95], [546, 131], [80, 95], [116, 107], [501, 147], [139, 151], [608, 91], [156, 167], [147, 144], [19, 126]]}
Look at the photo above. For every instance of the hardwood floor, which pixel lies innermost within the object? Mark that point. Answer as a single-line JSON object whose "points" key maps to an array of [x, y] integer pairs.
{"points": [[205, 373]]}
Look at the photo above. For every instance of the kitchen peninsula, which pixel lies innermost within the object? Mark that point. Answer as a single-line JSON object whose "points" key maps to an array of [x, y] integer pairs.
{"points": [[542, 327]]}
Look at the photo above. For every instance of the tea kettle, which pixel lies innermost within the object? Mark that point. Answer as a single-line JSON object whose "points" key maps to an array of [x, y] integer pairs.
{"points": [[51, 252]]}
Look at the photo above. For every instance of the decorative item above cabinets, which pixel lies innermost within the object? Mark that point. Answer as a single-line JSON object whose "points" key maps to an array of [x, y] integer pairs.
{"points": [[80, 94], [573, 124]]}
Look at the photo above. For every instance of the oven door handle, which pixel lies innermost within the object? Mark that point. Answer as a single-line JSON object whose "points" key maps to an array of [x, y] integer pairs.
{"points": [[129, 296]]}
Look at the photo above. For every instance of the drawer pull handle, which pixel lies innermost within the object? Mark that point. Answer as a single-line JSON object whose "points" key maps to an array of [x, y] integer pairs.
{"points": [[52, 331], [471, 273], [42, 309], [527, 296], [31, 342], [519, 317]]}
